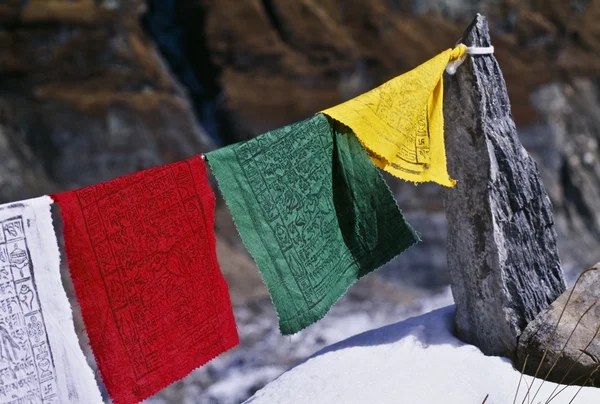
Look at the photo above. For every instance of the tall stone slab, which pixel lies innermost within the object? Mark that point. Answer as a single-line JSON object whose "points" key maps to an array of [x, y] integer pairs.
{"points": [[501, 247]]}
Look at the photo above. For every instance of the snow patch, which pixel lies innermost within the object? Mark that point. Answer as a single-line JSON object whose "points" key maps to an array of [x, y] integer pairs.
{"points": [[414, 361]]}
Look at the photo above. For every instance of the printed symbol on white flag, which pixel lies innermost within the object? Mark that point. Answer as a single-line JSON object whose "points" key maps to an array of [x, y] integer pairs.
{"points": [[8, 347], [7, 288], [4, 264], [26, 297], [35, 329], [13, 229], [19, 259], [42, 356], [3, 255]]}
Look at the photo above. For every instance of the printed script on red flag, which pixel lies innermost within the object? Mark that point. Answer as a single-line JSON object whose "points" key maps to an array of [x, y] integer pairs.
{"points": [[141, 252]]}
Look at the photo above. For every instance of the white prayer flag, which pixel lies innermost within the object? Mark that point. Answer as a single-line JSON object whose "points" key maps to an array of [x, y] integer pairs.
{"points": [[40, 357]]}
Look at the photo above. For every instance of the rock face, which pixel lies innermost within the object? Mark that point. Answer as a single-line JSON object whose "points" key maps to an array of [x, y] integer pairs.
{"points": [[501, 249], [20, 171], [572, 349], [566, 147], [90, 93], [280, 62]]}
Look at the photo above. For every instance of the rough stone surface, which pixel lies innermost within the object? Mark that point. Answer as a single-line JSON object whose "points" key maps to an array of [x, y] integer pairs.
{"points": [[279, 61], [20, 171], [89, 91], [574, 357], [566, 147], [501, 250]]}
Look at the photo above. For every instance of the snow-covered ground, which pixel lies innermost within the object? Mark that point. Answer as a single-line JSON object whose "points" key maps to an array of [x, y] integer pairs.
{"points": [[414, 361], [264, 353]]}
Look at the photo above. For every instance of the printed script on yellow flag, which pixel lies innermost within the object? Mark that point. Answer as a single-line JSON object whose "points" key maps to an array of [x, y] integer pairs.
{"points": [[401, 123]]}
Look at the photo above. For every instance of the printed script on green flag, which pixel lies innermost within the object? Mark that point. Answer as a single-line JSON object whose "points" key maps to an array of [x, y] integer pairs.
{"points": [[313, 211]]}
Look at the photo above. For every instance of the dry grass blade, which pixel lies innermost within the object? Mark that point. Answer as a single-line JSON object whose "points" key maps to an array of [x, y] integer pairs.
{"points": [[572, 384], [586, 381], [573, 365], [521, 378], [563, 349], [527, 396], [555, 328]]}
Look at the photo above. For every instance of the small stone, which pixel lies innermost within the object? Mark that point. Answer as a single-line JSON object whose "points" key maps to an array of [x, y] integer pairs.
{"points": [[575, 357]]}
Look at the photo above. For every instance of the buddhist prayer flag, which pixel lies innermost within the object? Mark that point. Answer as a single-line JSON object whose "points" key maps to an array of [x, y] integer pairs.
{"points": [[141, 251], [313, 211], [401, 123], [40, 358]]}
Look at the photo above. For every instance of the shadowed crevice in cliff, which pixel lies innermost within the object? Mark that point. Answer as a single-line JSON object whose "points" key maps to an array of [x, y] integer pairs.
{"points": [[275, 20], [178, 31]]}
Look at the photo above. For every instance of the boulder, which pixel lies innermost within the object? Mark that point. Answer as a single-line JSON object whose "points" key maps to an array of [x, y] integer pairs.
{"points": [[563, 337]]}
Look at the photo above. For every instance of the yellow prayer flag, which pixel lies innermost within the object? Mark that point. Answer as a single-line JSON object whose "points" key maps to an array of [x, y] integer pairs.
{"points": [[401, 123]]}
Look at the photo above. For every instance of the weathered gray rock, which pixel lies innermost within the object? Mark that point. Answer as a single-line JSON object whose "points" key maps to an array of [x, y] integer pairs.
{"points": [[90, 93], [569, 359], [501, 247], [21, 175], [566, 146]]}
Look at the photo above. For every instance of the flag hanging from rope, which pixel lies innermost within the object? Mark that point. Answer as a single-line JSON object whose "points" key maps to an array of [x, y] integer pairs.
{"points": [[40, 357], [401, 123], [141, 252], [313, 211]]}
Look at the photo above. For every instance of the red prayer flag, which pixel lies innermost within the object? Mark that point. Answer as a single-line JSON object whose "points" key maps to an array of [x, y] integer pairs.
{"points": [[142, 255]]}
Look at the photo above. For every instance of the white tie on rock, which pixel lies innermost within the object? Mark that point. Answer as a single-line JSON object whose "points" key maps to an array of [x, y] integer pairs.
{"points": [[40, 357], [472, 50]]}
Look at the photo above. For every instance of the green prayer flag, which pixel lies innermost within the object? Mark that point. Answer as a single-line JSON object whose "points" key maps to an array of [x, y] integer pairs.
{"points": [[313, 211]]}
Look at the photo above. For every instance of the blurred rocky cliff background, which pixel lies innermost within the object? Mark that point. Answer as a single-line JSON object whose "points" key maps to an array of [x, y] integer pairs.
{"points": [[94, 89]]}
